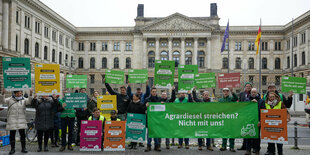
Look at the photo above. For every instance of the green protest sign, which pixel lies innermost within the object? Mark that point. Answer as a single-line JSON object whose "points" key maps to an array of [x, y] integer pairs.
{"points": [[296, 84], [76, 81], [186, 75], [135, 127], [205, 80], [16, 73], [137, 75], [164, 73], [203, 120], [75, 100], [114, 76]]}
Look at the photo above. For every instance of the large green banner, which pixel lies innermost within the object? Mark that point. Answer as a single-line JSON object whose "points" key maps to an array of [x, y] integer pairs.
{"points": [[135, 127], [186, 75], [114, 77], [137, 75], [296, 84], [203, 120], [205, 80], [164, 73], [76, 81], [16, 73]]}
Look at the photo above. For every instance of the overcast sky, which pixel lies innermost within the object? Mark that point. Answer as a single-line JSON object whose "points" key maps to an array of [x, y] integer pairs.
{"points": [[102, 13]]}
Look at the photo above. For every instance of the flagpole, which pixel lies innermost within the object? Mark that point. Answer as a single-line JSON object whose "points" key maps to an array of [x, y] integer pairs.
{"points": [[228, 49], [260, 59]]}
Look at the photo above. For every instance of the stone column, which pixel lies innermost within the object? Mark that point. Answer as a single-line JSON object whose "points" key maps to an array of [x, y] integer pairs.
{"points": [[21, 34], [32, 41], [157, 53], [209, 53], [195, 51], [5, 24], [307, 46], [122, 59], [86, 57], [50, 49], [98, 58], [110, 58], [182, 58], [144, 49], [170, 48], [41, 50]]}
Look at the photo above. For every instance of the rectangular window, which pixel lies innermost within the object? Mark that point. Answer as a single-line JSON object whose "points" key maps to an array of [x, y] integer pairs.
{"points": [[37, 27], [251, 46], [92, 46], [188, 44], [238, 46], [27, 22], [46, 32], [102, 78], [17, 17], [264, 46], [288, 44], [72, 44], [303, 38], [54, 38], [176, 44], [104, 46], [151, 44], [277, 46], [128, 46], [81, 46], [251, 78], [295, 42], [226, 46], [103, 91], [277, 80], [201, 43], [60, 40], [264, 80], [91, 90], [116, 46], [163, 44], [92, 78], [67, 42]]}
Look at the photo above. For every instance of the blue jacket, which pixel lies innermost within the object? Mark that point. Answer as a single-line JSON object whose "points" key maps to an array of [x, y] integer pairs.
{"points": [[143, 96]]}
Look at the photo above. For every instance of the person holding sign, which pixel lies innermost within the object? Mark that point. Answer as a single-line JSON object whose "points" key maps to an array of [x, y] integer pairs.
{"points": [[123, 100], [92, 104], [96, 116], [183, 99], [273, 101], [16, 117], [205, 98], [136, 107], [255, 142], [44, 118], [139, 91], [228, 98], [287, 102]]}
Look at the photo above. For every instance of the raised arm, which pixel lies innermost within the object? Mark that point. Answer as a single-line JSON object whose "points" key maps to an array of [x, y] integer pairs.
{"points": [[190, 98], [172, 98], [195, 95], [110, 90]]}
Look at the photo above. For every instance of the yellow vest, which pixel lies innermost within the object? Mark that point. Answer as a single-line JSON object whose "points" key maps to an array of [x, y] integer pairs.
{"points": [[278, 106], [101, 118], [109, 119]]}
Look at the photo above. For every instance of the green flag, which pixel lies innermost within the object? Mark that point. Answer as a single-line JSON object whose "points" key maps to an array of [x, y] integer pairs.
{"points": [[205, 80], [203, 120], [137, 75], [114, 76], [164, 74], [186, 75], [296, 84]]}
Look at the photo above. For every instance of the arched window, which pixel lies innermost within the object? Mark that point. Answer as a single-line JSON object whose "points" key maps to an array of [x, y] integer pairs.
{"points": [[92, 62], [151, 57], [251, 63], [225, 63], [45, 53], [188, 58], [295, 60], [164, 55], [303, 58], [238, 63], [36, 50], [53, 55], [201, 59], [288, 62], [176, 58], [128, 62], [104, 62], [277, 63], [60, 58], [26, 46], [264, 63], [81, 62], [116, 62]]}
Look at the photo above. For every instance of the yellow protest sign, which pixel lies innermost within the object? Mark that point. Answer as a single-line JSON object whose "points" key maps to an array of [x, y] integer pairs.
{"points": [[47, 79], [106, 102]]}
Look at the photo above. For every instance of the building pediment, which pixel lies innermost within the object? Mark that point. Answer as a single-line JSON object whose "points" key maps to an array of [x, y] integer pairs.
{"points": [[177, 22]]}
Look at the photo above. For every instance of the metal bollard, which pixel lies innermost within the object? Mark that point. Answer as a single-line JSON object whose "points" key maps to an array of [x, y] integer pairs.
{"points": [[295, 136]]}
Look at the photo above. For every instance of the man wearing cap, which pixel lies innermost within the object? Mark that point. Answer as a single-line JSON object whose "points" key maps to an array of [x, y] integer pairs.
{"points": [[287, 102], [139, 91], [243, 97], [228, 98]]}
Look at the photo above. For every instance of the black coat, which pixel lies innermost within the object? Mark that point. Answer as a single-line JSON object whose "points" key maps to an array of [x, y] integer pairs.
{"points": [[196, 99], [45, 111], [243, 96], [136, 108], [260, 103], [82, 114], [122, 100]]}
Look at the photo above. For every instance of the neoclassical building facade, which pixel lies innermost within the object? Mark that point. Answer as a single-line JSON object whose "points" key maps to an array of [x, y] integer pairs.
{"points": [[29, 28]]}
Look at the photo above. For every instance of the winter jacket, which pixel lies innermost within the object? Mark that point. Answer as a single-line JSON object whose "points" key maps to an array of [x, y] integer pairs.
{"points": [[166, 100], [136, 108], [260, 102], [232, 98], [92, 105], [44, 113], [143, 95], [122, 100], [199, 100], [82, 114], [287, 102], [16, 115], [243, 96]]}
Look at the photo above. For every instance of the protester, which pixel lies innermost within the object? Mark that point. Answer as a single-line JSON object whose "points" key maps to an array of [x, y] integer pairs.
{"points": [[123, 100], [183, 99], [67, 121], [54, 134], [254, 142], [152, 98], [242, 97], [228, 98], [113, 116], [96, 116], [81, 114], [136, 107], [139, 91], [44, 118], [205, 98], [92, 104], [273, 101], [16, 117], [164, 99], [287, 102]]}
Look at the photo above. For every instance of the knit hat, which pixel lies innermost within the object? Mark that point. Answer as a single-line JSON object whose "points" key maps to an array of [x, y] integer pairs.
{"points": [[248, 83]]}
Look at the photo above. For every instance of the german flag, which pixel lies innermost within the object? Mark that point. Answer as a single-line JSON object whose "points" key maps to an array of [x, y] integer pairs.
{"points": [[259, 35]]}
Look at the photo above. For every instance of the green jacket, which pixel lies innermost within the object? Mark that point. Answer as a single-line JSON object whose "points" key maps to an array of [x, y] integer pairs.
{"points": [[232, 98], [66, 112]]}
